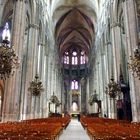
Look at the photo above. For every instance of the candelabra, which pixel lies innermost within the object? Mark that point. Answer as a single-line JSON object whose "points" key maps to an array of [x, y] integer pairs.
{"points": [[113, 89], [36, 86], [135, 64], [8, 59]]}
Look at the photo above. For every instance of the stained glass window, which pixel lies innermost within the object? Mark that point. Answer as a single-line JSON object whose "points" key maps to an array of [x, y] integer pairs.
{"points": [[6, 32], [74, 58], [74, 85]]}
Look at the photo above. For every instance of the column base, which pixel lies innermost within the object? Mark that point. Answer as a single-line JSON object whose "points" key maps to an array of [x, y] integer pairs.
{"points": [[10, 117]]}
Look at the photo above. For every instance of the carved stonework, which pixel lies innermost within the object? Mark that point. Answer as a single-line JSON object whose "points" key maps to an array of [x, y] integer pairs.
{"points": [[34, 26]]}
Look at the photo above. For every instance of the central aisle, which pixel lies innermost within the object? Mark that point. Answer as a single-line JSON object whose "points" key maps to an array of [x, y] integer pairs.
{"points": [[74, 131]]}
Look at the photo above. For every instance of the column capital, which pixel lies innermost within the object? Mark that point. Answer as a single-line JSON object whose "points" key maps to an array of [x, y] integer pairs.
{"points": [[22, 0], [108, 43], [124, 0], [34, 26], [115, 24]]}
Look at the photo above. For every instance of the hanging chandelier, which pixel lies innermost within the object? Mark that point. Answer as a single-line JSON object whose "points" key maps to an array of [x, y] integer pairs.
{"points": [[54, 99], [135, 64], [36, 86], [8, 59], [93, 98], [113, 88]]}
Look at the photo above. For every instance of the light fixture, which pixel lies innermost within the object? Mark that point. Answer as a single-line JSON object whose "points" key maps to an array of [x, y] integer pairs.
{"points": [[113, 88], [93, 98], [54, 99], [36, 86], [8, 59], [135, 64]]}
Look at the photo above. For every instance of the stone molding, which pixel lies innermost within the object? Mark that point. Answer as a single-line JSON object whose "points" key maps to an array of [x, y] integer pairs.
{"points": [[108, 43], [34, 26], [22, 0], [115, 24]]}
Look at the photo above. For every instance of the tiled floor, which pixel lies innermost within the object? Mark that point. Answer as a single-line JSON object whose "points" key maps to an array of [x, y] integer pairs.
{"points": [[74, 131]]}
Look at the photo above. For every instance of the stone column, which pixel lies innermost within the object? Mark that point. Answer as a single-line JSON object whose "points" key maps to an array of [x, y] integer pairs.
{"points": [[37, 106], [70, 102], [61, 90], [47, 83], [114, 58], [79, 97], [49, 74], [48, 78], [108, 46], [111, 58], [52, 78], [31, 69], [43, 80], [114, 55], [105, 73], [87, 95], [112, 111], [56, 81], [91, 87], [116, 48], [102, 82], [50, 85], [132, 42], [11, 104], [58, 87], [44, 95], [83, 95], [115, 27], [1, 10], [97, 77]]}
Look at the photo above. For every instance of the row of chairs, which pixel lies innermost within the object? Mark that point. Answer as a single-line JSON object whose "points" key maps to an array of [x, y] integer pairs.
{"points": [[34, 129], [110, 129]]}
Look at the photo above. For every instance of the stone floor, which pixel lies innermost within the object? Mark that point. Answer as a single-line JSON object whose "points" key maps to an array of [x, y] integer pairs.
{"points": [[74, 131]]}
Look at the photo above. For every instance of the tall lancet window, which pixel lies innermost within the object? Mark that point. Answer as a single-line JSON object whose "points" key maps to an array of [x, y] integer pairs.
{"points": [[74, 58], [6, 32], [74, 85], [66, 58], [82, 58]]}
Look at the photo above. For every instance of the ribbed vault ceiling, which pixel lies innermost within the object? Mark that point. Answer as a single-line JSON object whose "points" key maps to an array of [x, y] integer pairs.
{"points": [[74, 29], [74, 22]]}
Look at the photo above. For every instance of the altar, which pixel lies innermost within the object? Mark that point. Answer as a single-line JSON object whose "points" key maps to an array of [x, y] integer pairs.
{"points": [[74, 114]]}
